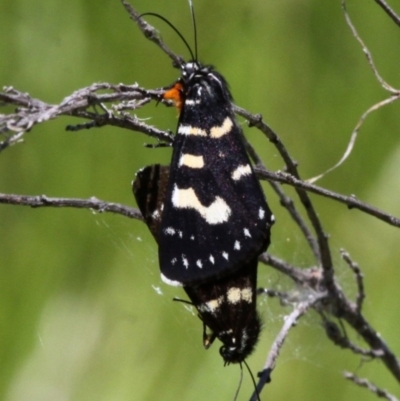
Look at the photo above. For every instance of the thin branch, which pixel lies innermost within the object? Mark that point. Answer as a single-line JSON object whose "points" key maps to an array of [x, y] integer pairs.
{"points": [[354, 135], [395, 95], [335, 335], [344, 309], [92, 204], [33, 111], [285, 201], [389, 11], [367, 53], [151, 33], [359, 278], [299, 276], [325, 258], [351, 201], [289, 322], [368, 385]]}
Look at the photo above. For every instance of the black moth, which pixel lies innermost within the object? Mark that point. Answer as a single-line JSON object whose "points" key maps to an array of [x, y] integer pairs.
{"points": [[208, 213]]}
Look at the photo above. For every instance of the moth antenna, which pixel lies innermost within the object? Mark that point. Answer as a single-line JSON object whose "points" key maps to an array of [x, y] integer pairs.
{"points": [[194, 28], [176, 31], [252, 379], [240, 382]]}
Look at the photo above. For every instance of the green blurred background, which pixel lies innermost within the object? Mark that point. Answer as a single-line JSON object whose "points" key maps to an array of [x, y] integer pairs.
{"points": [[83, 312]]}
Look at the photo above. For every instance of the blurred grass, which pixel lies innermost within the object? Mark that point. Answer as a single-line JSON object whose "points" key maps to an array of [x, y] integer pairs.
{"points": [[80, 318]]}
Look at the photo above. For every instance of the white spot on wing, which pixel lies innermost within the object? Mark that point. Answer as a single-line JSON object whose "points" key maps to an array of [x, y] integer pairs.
{"points": [[236, 246], [211, 258], [236, 295], [170, 282], [247, 294], [261, 213], [199, 264], [212, 305], [169, 231], [189, 130], [156, 214], [233, 295], [247, 232], [241, 171], [185, 261], [217, 212], [225, 255], [191, 161], [225, 128]]}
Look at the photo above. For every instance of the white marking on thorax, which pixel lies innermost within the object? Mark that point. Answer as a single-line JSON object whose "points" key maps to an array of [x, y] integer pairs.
{"points": [[217, 212], [191, 161], [241, 171], [225, 128], [191, 102]]}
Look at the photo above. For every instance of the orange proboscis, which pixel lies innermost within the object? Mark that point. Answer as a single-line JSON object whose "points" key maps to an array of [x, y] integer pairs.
{"points": [[175, 94]]}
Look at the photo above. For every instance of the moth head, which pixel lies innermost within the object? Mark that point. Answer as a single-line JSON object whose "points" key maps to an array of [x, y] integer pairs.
{"points": [[237, 348], [189, 69], [204, 82]]}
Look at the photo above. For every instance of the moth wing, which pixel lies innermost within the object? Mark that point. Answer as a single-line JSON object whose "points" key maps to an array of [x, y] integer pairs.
{"points": [[215, 216]]}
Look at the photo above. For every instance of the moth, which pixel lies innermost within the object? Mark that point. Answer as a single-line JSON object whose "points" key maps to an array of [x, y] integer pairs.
{"points": [[208, 213]]}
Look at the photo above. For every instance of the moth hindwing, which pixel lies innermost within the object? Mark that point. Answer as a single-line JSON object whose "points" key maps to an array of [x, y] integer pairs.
{"points": [[215, 218]]}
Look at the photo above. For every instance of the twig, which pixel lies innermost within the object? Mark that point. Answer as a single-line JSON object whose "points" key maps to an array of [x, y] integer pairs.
{"points": [[151, 33], [285, 201], [325, 259], [33, 111], [359, 278], [351, 201], [299, 276], [389, 11], [367, 53], [344, 309], [368, 385], [335, 335], [92, 203], [290, 321]]}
